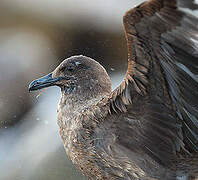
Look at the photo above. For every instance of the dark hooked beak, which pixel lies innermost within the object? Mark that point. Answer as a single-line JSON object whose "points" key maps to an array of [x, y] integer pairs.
{"points": [[45, 81]]}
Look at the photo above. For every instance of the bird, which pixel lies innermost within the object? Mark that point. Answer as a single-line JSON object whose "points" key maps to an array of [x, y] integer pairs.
{"points": [[146, 128]]}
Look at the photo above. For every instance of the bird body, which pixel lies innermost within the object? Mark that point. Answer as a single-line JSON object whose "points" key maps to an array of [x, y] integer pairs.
{"points": [[147, 128], [88, 131]]}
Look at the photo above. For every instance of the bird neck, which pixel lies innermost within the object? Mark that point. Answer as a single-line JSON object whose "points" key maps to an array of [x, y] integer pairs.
{"points": [[84, 92], [71, 120], [76, 115], [73, 104]]}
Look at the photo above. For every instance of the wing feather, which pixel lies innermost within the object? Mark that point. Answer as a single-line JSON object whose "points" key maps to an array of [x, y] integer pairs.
{"points": [[162, 73]]}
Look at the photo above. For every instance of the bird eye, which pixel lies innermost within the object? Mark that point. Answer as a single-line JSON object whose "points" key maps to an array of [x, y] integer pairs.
{"points": [[70, 68]]}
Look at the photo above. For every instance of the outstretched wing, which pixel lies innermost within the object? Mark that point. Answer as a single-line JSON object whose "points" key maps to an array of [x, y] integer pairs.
{"points": [[157, 103]]}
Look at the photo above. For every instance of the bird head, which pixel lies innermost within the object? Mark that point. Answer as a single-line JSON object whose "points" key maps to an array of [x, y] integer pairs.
{"points": [[76, 74]]}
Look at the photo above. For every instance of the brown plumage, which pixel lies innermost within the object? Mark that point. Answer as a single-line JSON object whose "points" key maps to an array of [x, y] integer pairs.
{"points": [[147, 128]]}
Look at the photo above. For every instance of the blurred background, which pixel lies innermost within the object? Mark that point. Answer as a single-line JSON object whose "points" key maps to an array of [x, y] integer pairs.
{"points": [[35, 36]]}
